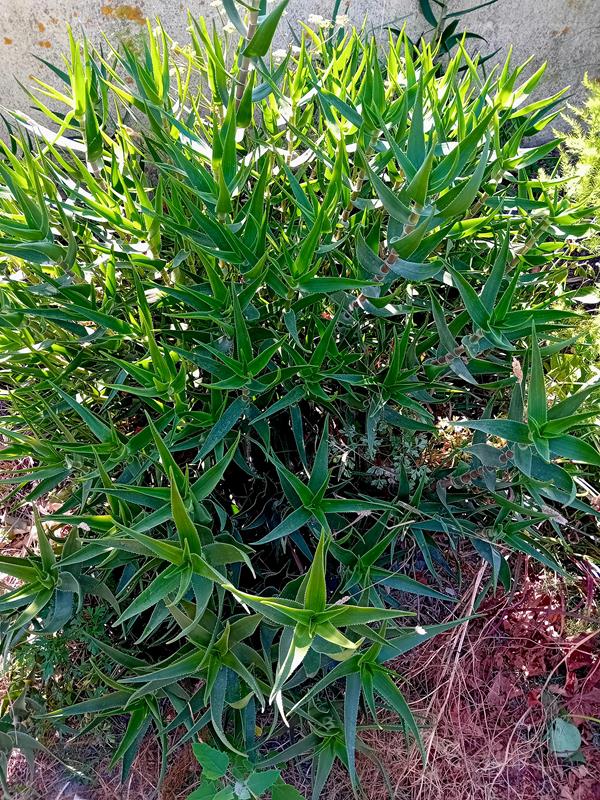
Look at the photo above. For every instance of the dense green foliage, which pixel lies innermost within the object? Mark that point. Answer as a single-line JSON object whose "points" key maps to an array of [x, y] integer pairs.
{"points": [[244, 305], [581, 151]]}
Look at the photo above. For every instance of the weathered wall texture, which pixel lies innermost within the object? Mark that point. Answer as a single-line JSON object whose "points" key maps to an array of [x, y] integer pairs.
{"points": [[566, 33]]}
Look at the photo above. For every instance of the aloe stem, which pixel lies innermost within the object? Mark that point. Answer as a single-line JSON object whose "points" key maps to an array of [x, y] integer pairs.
{"points": [[245, 65], [391, 257], [358, 183], [533, 239]]}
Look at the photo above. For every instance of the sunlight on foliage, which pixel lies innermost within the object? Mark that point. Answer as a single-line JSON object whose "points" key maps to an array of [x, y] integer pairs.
{"points": [[270, 328]]}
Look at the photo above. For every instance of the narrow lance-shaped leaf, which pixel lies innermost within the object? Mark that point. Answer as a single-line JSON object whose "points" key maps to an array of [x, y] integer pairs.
{"points": [[536, 396], [315, 594], [261, 41], [186, 528]]}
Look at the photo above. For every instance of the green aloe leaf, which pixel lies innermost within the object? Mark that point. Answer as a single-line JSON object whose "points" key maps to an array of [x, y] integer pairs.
{"points": [[221, 428], [575, 450], [100, 430], [352, 695], [289, 525], [504, 428], [536, 396], [234, 17], [186, 529], [473, 304], [462, 201], [261, 41], [315, 593], [385, 686]]}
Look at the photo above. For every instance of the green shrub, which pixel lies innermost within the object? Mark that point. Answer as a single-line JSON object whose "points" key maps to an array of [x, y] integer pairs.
{"points": [[581, 152], [582, 146], [243, 306]]}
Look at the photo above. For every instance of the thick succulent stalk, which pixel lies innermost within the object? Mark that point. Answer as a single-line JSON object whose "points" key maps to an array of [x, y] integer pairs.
{"points": [[536, 234], [354, 196], [391, 257], [245, 65], [358, 183]]}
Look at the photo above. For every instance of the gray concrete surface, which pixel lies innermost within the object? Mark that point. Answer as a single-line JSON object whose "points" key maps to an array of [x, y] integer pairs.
{"points": [[566, 33]]}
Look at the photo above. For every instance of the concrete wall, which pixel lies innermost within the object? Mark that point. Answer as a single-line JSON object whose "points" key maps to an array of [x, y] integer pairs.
{"points": [[566, 33]]}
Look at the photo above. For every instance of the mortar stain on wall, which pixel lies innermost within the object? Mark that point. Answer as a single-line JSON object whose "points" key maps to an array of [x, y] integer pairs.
{"points": [[125, 12]]}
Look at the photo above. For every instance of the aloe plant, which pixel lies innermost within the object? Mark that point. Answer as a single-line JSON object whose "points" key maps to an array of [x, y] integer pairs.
{"points": [[218, 273]]}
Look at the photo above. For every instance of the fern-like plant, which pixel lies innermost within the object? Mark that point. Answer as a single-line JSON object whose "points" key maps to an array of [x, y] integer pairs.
{"points": [[581, 150]]}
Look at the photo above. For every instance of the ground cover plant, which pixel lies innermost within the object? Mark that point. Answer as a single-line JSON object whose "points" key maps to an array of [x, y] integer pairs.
{"points": [[275, 334]]}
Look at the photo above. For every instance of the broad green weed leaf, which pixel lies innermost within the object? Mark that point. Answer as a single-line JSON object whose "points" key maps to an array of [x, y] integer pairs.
{"points": [[214, 762]]}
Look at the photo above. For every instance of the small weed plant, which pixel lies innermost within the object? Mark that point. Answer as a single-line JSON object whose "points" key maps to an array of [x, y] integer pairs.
{"points": [[273, 328]]}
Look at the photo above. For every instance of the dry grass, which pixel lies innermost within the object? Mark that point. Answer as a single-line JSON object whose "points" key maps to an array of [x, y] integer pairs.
{"points": [[16, 523], [53, 782], [485, 693]]}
